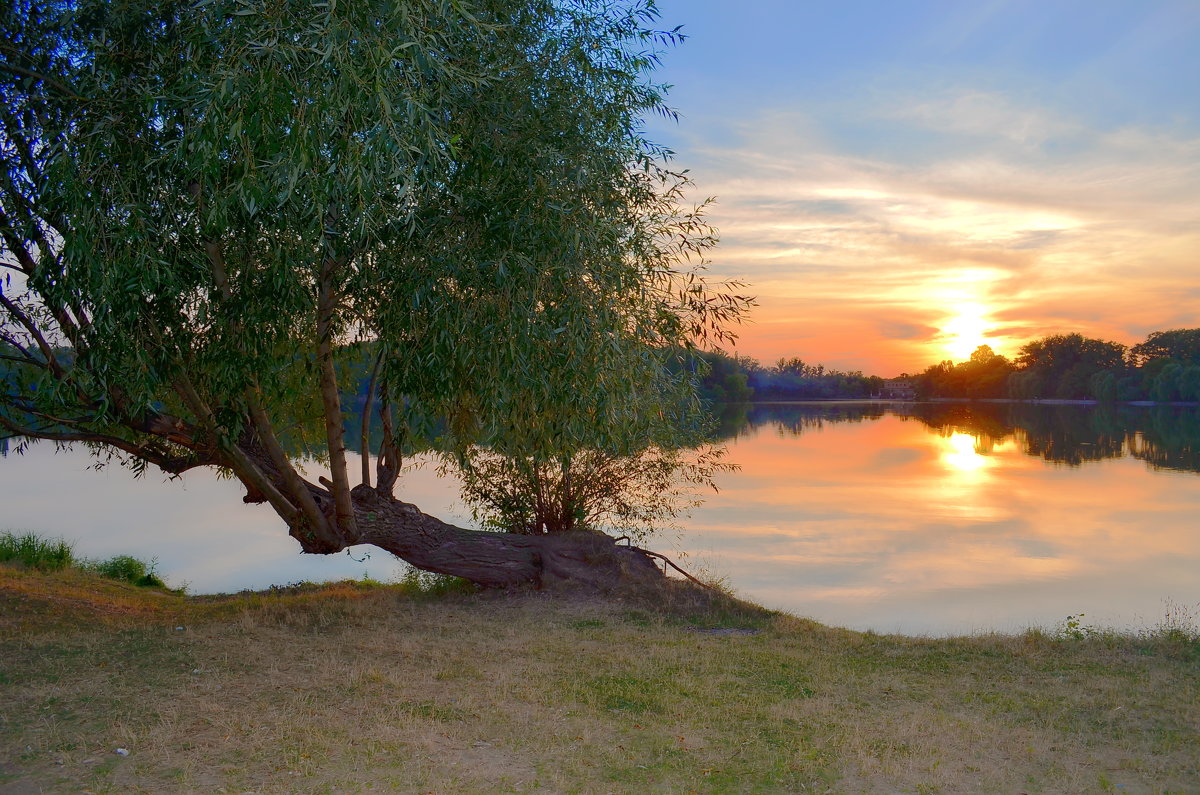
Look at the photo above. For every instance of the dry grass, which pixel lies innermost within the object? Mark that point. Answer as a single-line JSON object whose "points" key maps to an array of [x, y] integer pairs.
{"points": [[348, 688]]}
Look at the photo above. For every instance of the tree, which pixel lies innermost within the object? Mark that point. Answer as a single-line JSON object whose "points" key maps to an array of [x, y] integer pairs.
{"points": [[204, 205], [1165, 386], [1065, 363], [1104, 386], [985, 374], [1182, 344]]}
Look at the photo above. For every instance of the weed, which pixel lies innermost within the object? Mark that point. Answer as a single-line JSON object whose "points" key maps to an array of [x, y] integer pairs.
{"points": [[433, 711], [622, 693], [1176, 634], [1073, 628]]}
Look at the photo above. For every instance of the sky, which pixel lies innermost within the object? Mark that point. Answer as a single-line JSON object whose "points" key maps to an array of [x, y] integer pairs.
{"points": [[901, 181]]}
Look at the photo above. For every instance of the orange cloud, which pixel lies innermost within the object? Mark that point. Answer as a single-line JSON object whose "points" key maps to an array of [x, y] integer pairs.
{"points": [[890, 263]]}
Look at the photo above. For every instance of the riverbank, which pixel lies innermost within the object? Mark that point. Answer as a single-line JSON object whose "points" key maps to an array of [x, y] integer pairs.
{"points": [[352, 687]]}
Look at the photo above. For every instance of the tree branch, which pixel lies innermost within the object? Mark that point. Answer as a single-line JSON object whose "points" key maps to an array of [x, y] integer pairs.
{"points": [[387, 466], [327, 298], [174, 465], [25, 260], [36, 333], [366, 417], [6, 338], [246, 469], [21, 71], [297, 488], [29, 266]]}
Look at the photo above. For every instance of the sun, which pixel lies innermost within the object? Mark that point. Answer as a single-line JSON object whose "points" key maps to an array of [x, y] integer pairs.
{"points": [[965, 331]]}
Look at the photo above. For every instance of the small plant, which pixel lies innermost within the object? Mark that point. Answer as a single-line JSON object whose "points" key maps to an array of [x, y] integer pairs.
{"points": [[1073, 628], [427, 583], [35, 552]]}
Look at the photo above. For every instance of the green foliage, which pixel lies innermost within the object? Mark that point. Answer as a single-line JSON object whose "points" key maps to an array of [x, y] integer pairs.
{"points": [[214, 205], [1103, 386], [1073, 628], [30, 549], [1068, 361], [722, 378], [1165, 386], [632, 494], [735, 379]]}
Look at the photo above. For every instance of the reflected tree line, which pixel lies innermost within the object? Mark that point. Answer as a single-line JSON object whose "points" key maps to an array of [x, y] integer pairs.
{"points": [[1165, 437]]}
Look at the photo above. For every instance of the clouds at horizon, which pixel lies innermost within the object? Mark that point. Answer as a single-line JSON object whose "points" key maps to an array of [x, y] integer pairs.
{"points": [[873, 222]]}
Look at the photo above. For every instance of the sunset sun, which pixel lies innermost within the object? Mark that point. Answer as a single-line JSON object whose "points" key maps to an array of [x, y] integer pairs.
{"points": [[965, 331]]}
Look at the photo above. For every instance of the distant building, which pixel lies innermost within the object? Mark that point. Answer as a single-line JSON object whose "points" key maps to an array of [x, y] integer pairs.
{"points": [[899, 389]]}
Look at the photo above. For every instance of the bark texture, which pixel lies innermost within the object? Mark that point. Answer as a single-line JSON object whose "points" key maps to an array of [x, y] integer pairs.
{"points": [[495, 559]]}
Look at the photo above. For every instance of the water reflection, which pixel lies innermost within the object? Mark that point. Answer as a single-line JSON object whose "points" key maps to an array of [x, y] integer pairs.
{"points": [[933, 518], [963, 453], [196, 526], [1165, 437], [942, 518]]}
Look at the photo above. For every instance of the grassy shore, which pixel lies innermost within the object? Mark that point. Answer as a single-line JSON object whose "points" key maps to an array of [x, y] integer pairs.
{"points": [[350, 687]]}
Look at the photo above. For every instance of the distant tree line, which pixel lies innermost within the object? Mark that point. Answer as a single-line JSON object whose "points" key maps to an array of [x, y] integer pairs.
{"points": [[735, 379], [1163, 368]]}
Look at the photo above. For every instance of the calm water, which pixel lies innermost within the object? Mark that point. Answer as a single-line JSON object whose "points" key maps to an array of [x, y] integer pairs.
{"points": [[928, 518]]}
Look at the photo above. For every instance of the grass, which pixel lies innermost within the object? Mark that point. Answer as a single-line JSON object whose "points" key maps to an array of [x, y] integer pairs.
{"points": [[30, 549], [425, 687]]}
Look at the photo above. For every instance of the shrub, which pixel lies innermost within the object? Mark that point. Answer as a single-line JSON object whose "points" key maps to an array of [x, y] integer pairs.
{"points": [[632, 495], [131, 570]]}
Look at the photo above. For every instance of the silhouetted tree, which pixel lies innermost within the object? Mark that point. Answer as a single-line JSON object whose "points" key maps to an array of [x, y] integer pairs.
{"points": [[1180, 344]]}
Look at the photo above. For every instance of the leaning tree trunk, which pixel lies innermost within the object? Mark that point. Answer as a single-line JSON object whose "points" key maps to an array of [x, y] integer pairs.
{"points": [[494, 559]]}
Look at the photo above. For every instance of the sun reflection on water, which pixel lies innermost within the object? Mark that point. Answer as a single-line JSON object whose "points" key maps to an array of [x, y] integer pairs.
{"points": [[962, 454]]}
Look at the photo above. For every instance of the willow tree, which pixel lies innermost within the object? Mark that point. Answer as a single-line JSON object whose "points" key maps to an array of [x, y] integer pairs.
{"points": [[205, 205]]}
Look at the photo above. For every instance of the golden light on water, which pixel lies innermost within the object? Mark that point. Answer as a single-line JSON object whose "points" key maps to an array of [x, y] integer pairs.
{"points": [[961, 454]]}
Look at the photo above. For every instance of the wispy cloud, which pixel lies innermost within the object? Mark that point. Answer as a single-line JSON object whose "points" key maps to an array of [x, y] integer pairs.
{"points": [[1025, 214]]}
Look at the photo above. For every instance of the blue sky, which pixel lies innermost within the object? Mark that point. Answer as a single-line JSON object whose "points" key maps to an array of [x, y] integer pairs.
{"points": [[900, 181]]}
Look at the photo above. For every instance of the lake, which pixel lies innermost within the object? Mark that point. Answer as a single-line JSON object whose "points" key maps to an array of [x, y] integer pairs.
{"points": [[919, 518]]}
